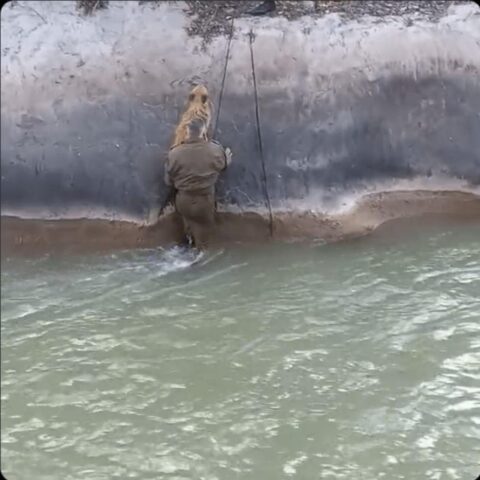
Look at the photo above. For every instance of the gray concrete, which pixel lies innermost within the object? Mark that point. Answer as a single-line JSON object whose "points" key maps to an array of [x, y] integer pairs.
{"points": [[89, 104]]}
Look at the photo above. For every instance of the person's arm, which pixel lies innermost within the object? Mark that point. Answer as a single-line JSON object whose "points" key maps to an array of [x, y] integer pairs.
{"points": [[166, 174], [171, 191], [223, 155], [228, 157]]}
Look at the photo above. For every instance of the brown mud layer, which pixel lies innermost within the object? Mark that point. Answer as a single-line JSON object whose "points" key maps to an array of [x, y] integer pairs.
{"points": [[26, 237]]}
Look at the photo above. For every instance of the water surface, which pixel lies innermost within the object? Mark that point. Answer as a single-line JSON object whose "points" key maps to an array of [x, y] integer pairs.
{"points": [[354, 360]]}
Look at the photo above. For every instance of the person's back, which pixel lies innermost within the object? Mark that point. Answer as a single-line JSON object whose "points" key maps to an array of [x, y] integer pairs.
{"points": [[193, 168], [195, 165]]}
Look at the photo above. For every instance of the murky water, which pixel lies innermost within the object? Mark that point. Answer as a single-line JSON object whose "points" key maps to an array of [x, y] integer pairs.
{"points": [[355, 360]]}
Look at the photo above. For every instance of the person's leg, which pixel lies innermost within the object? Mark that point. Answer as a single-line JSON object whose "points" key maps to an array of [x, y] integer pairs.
{"points": [[187, 229], [198, 213], [202, 221], [200, 235], [182, 205]]}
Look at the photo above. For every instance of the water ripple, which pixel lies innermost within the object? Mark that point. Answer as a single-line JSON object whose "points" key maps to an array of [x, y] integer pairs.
{"points": [[350, 360]]}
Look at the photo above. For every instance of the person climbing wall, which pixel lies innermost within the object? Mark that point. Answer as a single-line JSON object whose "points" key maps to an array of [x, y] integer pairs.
{"points": [[193, 168]]}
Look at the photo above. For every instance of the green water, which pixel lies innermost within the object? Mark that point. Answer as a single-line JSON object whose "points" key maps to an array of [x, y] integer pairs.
{"points": [[355, 360]]}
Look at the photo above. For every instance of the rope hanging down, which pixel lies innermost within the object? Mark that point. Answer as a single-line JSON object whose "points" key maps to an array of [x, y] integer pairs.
{"points": [[220, 95], [259, 137]]}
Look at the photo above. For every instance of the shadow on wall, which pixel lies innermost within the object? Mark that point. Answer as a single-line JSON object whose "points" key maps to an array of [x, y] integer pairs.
{"points": [[402, 128]]}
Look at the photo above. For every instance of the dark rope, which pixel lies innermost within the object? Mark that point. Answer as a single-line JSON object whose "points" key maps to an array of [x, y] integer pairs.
{"points": [[259, 136], [220, 96]]}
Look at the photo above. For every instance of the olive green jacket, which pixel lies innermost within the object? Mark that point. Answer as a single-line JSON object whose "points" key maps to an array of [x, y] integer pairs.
{"points": [[195, 165]]}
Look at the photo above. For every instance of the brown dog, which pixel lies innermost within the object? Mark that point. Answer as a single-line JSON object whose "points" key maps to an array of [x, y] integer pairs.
{"points": [[199, 106]]}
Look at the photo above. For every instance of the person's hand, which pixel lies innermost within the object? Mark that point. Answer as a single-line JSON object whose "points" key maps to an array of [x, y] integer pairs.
{"points": [[228, 155]]}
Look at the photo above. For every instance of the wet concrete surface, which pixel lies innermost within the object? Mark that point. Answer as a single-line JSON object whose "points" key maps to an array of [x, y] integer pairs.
{"points": [[34, 237]]}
